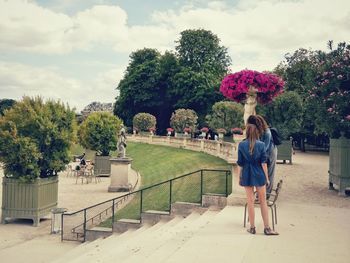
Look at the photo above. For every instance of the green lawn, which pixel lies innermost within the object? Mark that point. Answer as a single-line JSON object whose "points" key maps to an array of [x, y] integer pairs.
{"points": [[160, 163]]}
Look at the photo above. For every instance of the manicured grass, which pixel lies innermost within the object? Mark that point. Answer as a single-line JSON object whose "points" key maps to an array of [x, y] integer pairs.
{"points": [[160, 163]]}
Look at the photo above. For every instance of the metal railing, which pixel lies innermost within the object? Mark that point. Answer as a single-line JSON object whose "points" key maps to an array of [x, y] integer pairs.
{"points": [[186, 188]]}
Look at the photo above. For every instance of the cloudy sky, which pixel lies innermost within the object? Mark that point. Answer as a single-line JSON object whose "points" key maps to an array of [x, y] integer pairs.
{"points": [[77, 50]]}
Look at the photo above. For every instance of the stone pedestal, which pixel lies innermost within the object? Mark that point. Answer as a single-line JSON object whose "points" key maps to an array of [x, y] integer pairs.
{"points": [[120, 173]]}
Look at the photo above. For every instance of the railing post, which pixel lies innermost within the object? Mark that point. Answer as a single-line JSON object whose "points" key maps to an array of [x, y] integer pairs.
{"points": [[141, 203], [113, 214], [202, 145], [84, 224], [62, 227], [201, 186], [170, 194], [226, 183]]}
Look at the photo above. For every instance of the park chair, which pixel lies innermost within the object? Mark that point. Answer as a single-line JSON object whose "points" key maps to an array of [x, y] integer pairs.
{"points": [[271, 202]]}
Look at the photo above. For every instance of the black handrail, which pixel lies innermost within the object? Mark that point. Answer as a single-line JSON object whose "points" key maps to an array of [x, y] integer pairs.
{"points": [[124, 197]]}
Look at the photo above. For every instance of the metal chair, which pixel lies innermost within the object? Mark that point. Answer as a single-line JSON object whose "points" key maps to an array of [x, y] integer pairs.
{"points": [[271, 202]]}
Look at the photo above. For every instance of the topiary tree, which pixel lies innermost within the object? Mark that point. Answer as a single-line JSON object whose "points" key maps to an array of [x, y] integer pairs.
{"points": [[35, 138], [285, 113], [144, 121], [183, 118], [99, 132], [226, 115]]}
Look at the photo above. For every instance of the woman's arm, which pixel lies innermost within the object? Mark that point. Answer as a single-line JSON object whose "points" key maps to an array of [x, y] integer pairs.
{"points": [[264, 166]]}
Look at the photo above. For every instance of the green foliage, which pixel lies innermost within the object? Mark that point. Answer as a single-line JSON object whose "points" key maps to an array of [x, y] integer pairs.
{"points": [[144, 121], [183, 118], [145, 86], [35, 137], [6, 104], [285, 113], [331, 93], [159, 84], [203, 65], [225, 114], [99, 132]]}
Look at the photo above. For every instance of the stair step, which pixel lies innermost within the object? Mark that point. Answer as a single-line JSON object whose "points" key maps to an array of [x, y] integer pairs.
{"points": [[171, 240]]}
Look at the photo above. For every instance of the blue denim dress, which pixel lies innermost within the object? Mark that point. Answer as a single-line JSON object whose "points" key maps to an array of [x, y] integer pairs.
{"points": [[252, 172]]}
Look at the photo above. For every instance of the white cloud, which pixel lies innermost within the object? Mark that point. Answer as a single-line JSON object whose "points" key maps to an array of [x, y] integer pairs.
{"points": [[17, 80]]}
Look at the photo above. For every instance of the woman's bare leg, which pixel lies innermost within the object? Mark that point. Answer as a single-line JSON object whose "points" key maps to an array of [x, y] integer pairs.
{"points": [[263, 205], [250, 201]]}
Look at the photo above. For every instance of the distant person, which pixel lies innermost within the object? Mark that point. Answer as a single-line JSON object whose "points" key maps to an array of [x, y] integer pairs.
{"points": [[270, 148], [82, 159], [252, 169]]}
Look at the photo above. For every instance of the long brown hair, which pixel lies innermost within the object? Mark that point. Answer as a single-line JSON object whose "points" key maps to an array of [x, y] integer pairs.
{"points": [[261, 124], [252, 134]]}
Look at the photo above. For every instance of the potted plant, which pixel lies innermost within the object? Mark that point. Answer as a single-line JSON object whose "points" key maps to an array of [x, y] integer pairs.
{"points": [[330, 98], [251, 87], [169, 131], [152, 131], [99, 133], [187, 130], [221, 132], [144, 122], [237, 131], [183, 118], [204, 131], [35, 138]]}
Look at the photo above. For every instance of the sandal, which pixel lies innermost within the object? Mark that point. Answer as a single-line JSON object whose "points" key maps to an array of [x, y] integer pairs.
{"points": [[251, 230], [269, 232]]}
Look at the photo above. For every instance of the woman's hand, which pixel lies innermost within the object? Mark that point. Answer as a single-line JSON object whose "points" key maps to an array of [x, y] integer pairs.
{"points": [[267, 182]]}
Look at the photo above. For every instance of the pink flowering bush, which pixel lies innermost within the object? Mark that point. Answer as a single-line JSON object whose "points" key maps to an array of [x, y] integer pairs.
{"points": [[331, 94], [235, 86], [169, 129], [187, 129], [204, 129], [221, 130]]}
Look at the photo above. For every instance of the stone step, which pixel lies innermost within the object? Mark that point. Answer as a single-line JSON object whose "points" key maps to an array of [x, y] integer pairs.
{"points": [[170, 240], [224, 233], [114, 244]]}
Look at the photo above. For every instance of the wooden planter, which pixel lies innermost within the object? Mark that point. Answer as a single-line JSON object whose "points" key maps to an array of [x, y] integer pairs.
{"points": [[339, 164], [284, 151], [102, 165], [28, 200]]}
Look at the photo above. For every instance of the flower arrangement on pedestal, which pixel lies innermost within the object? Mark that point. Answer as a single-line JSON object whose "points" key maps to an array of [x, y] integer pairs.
{"points": [[237, 131], [152, 130], [187, 130], [251, 87], [204, 129], [170, 131]]}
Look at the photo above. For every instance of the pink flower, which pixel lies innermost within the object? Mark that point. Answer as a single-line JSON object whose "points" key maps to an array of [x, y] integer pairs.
{"points": [[348, 117], [204, 129]]}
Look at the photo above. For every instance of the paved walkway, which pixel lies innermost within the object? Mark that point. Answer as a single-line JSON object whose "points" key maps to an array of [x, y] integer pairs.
{"points": [[311, 218]]}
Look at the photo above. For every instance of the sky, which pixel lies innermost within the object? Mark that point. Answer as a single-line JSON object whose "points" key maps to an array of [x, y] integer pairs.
{"points": [[77, 50]]}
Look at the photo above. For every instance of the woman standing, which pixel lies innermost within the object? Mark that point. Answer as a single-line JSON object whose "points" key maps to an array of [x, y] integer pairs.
{"points": [[252, 168]]}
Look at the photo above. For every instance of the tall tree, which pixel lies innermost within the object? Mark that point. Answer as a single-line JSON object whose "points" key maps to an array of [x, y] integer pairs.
{"points": [[6, 104], [203, 64]]}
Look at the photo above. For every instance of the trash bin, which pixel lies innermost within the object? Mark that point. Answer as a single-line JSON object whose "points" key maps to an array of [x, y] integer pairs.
{"points": [[56, 220]]}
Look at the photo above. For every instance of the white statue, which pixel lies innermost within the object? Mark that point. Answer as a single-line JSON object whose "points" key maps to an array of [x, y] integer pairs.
{"points": [[250, 104], [121, 143]]}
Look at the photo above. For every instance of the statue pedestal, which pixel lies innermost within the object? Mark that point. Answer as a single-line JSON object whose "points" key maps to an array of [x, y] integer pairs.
{"points": [[120, 173]]}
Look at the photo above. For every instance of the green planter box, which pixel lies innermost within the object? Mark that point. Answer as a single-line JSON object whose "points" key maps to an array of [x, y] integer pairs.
{"points": [[284, 151], [339, 164], [28, 200], [102, 165]]}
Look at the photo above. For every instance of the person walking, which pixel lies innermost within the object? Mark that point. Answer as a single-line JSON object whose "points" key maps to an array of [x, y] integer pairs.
{"points": [[252, 169], [270, 148]]}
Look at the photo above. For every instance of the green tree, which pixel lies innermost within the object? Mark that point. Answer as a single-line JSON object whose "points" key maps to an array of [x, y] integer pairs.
{"points": [[144, 121], [225, 114], [6, 104], [99, 132], [145, 87], [183, 118], [285, 113], [35, 138], [203, 64]]}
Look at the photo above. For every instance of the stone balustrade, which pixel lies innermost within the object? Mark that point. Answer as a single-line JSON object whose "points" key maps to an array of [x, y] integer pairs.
{"points": [[223, 150]]}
